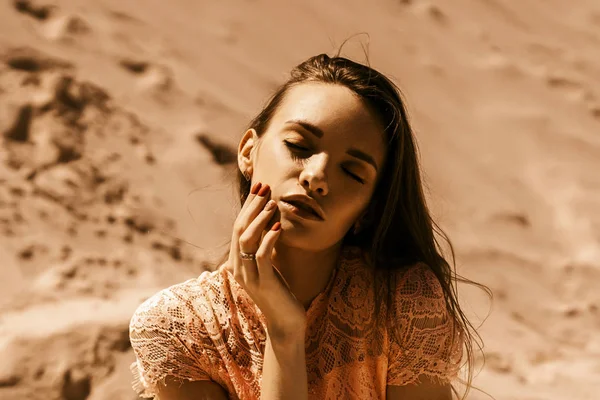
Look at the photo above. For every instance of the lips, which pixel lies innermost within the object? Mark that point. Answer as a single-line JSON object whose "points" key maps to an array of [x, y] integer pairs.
{"points": [[305, 203], [299, 211], [303, 207]]}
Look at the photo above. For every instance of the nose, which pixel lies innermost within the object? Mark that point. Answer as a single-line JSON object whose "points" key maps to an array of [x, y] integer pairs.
{"points": [[314, 176]]}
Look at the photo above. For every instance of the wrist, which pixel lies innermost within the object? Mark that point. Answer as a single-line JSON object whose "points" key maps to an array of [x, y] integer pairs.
{"points": [[284, 369], [286, 336]]}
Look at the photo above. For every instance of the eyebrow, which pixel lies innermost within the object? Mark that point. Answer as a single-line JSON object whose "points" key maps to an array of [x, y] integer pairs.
{"points": [[352, 151]]}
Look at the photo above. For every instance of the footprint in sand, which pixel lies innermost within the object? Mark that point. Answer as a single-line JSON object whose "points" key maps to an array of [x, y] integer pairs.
{"points": [[432, 11], [28, 59], [41, 12], [172, 249], [157, 79], [496, 61], [425, 9], [66, 28], [91, 275], [53, 24], [76, 385], [569, 86], [513, 218], [124, 17], [595, 111]]}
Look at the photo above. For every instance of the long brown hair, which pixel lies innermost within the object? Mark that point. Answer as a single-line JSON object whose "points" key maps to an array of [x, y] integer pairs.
{"points": [[397, 229]]}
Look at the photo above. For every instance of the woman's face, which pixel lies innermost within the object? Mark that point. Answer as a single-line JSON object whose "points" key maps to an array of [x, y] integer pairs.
{"points": [[322, 142]]}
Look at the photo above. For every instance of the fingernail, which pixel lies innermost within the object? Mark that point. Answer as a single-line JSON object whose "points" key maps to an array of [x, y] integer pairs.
{"points": [[276, 226], [270, 205], [263, 190], [255, 188]]}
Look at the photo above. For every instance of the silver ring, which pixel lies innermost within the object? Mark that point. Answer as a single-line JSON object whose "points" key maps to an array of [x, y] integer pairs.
{"points": [[247, 256]]}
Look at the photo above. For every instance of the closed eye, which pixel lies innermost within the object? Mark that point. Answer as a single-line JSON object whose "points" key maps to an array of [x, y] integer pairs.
{"points": [[292, 146]]}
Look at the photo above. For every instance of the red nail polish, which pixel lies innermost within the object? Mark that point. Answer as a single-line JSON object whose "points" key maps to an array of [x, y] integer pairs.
{"points": [[264, 190], [255, 188], [276, 226]]}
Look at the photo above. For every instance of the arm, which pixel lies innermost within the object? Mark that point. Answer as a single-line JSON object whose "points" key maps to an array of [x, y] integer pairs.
{"points": [[425, 354], [284, 363], [426, 390], [284, 369], [165, 368], [196, 390]]}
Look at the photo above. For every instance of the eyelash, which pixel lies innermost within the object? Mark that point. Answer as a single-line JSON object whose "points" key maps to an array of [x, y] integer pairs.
{"points": [[292, 147]]}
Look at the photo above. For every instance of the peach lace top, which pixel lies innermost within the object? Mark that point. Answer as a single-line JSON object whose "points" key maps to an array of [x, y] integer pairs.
{"points": [[208, 328]]}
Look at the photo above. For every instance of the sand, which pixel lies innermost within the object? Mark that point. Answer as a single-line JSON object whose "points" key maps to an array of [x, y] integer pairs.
{"points": [[119, 125]]}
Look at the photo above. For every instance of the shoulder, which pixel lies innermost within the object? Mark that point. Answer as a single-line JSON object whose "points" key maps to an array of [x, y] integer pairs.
{"points": [[168, 337], [171, 296], [418, 282], [418, 296], [425, 339], [418, 273], [177, 302]]}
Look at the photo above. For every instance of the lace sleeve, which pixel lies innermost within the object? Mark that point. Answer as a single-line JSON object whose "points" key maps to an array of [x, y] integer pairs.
{"points": [[158, 332], [424, 341]]}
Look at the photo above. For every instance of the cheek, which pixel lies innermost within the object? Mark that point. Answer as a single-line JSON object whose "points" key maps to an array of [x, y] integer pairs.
{"points": [[278, 153], [283, 160], [349, 206], [275, 164], [270, 158]]}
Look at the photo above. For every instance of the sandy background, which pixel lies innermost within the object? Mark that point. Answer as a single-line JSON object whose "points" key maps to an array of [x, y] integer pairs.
{"points": [[118, 122]]}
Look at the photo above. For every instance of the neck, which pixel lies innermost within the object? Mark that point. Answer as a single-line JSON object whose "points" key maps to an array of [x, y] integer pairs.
{"points": [[307, 272]]}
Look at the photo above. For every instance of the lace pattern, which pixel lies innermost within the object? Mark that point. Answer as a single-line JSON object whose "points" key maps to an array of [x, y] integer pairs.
{"points": [[208, 328], [425, 341]]}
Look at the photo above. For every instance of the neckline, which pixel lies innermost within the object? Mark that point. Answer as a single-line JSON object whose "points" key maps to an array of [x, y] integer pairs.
{"points": [[328, 286], [313, 304]]}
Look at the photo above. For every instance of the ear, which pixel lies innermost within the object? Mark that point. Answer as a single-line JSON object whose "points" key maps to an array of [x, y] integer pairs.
{"points": [[245, 150]]}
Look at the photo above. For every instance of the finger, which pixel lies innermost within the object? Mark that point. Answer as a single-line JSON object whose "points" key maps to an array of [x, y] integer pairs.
{"points": [[264, 254], [251, 210], [239, 227], [252, 236], [241, 223], [253, 192], [256, 205], [251, 239], [245, 270], [247, 217]]}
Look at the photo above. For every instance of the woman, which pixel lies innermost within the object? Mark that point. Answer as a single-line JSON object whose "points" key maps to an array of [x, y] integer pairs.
{"points": [[334, 286]]}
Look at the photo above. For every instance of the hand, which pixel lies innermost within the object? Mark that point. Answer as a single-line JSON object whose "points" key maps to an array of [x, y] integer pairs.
{"points": [[284, 314]]}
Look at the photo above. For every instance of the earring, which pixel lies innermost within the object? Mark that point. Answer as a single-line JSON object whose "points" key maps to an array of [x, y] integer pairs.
{"points": [[246, 175]]}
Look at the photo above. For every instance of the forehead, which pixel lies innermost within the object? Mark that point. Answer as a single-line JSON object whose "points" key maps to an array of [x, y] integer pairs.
{"points": [[337, 111]]}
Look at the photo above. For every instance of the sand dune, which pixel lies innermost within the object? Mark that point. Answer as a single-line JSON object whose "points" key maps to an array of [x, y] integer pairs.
{"points": [[119, 124]]}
